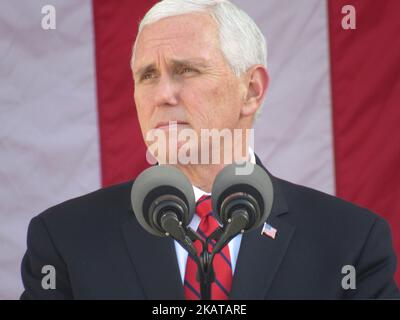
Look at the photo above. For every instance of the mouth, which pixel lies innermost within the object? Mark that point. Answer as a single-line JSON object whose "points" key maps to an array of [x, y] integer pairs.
{"points": [[167, 124]]}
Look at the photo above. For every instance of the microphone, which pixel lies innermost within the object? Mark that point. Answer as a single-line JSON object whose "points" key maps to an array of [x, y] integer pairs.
{"points": [[241, 202], [163, 202]]}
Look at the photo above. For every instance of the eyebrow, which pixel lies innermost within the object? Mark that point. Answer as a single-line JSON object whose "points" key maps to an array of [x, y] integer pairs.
{"points": [[200, 63]]}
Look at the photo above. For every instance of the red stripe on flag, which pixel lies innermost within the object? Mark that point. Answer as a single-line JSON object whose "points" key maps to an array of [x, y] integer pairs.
{"points": [[121, 143], [366, 112]]}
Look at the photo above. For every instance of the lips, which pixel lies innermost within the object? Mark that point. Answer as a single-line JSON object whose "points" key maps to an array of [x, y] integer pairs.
{"points": [[166, 123]]}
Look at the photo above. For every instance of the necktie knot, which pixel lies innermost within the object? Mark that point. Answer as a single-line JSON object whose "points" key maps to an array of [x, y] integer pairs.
{"points": [[204, 207]]}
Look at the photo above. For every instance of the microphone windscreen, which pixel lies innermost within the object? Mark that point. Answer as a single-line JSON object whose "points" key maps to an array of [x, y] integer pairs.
{"points": [[159, 181], [252, 180]]}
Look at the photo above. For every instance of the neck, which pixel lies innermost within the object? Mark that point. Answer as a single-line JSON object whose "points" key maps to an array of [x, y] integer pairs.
{"points": [[203, 175]]}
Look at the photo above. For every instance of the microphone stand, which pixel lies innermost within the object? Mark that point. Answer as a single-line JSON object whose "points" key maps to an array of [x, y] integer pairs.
{"points": [[221, 235], [205, 270], [186, 236]]}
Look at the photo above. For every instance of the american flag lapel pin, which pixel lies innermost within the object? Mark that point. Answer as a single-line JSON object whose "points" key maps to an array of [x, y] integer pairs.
{"points": [[269, 231]]}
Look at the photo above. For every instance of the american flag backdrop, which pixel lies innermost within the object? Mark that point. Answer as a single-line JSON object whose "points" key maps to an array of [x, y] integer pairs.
{"points": [[68, 124]]}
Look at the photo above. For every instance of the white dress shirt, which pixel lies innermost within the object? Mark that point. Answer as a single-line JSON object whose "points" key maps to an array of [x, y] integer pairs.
{"points": [[234, 244]]}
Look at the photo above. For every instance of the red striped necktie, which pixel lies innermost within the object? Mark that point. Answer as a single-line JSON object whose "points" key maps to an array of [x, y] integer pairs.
{"points": [[222, 261]]}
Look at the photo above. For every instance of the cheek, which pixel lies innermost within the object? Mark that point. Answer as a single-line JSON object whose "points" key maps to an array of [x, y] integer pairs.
{"points": [[226, 100], [211, 105], [143, 112], [195, 98]]}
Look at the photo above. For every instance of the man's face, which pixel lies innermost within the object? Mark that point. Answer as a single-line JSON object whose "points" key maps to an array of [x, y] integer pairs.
{"points": [[181, 75]]}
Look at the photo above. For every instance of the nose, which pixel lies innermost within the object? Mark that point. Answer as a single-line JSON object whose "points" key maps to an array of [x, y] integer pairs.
{"points": [[166, 92]]}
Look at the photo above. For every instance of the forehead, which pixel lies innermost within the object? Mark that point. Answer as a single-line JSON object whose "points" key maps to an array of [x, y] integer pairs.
{"points": [[187, 36]]}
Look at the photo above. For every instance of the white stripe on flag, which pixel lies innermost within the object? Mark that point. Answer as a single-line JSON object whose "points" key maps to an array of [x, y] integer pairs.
{"points": [[48, 133]]}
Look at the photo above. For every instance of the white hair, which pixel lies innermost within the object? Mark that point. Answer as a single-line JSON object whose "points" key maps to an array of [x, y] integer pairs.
{"points": [[242, 42]]}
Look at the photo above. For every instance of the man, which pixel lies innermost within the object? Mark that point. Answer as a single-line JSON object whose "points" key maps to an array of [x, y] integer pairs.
{"points": [[202, 65]]}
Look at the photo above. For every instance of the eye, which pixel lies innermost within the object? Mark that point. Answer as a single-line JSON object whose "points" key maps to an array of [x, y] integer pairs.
{"points": [[183, 70], [148, 75]]}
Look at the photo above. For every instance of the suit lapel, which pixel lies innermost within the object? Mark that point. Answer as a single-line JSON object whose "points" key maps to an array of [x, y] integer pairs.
{"points": [[260, 256], [154, 259], [258, 261]]}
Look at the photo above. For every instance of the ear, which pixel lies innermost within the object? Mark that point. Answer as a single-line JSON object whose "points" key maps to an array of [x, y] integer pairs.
{"points": [[257, 81]]}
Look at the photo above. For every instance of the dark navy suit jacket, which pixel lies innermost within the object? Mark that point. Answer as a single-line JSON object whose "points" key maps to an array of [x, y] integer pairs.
{"points": [[99, 251]]}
